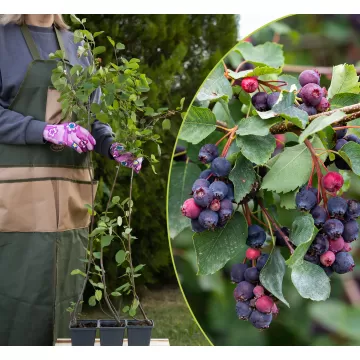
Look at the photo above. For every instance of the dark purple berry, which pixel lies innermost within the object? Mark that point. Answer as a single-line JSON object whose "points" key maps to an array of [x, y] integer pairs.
{"points": [[225, 212], [312, 94], [243, 310], [320, 244], [196, 227], [344, 263], [203, 196], [256, 236], [252, 275], [323, 106], [207, 175], [309, 77], [328, 270], [180, 149], [353, 138], [221, 167], [312, 258], [208, 219], [310, 110], [353, 210], [279, 239], [200, 183], [340, 133], [319, 215], [261, 261], [243, 291], [333, 228], [337, 207], [305, 200], [272, 99], [237, 272], [312, 189], [219, 189], [230, 194], [259, 101], [341, 164], [260, 320], [208, 153], [351, 231], [339, 144]]}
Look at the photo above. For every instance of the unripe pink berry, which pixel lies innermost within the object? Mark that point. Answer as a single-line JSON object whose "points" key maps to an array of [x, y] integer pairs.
{"points": [[336, 245], [333, 181], [190, 209], [328, 258], [253, 254], [275, 309], [215, 205], [249, 84], [264, 304], [347, 247], [258, 291], [280, 140]]}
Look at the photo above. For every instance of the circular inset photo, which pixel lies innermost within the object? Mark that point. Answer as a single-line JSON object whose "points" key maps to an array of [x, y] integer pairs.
{"points": [[263, 195]]}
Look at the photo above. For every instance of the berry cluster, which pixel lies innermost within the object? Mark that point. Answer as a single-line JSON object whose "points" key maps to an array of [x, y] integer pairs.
{"points": [[336, 220], [253, 302], [213, 193]]}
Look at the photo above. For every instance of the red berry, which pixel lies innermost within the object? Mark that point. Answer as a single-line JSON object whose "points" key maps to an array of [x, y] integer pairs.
{"points": [[190, 209], [347, 247], [252, 254], [215, 205], [249, 84], [336, 245], [264, 304], [328, 258], [258, 291], [275, 309], [333, 181], [280, 140]]}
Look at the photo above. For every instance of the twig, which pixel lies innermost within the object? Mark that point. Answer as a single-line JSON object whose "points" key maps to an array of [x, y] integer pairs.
{"points": [[324, 70]]}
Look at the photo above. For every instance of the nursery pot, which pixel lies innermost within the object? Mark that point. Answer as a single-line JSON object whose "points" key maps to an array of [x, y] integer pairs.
{"points": [[139, 332], [84, 333], [111, 333]]}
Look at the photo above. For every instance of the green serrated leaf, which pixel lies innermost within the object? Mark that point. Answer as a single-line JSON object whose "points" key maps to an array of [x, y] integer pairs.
{"points": [[344, 99], [350, 152], [328, 138], [243, 176], [287, 200], [258, 71], [215, 248], [120, 256], [199, 123], [106, 240], [344, 80], [255, 125], [291, 81], [222, 112]]}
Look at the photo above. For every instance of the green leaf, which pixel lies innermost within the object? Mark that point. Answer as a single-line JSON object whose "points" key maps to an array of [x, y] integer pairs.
{"points": [[139, 267], [269, 54], [98, 295], [99, 50], [92, 301], [222, 112], [97, 33], [243, 177], [351, 154], [327, 137], [115, 199], [78, 272], [126, 309], [215, 86], [215, 248], [111, 41], [199, 123], [75, 19], [120, 46], [75, 69], [119, 220], [115, 293], [287, 200], [286, 109], [320, 123], [98, 230], [166, 124], [344, 80], [182, 178], [97, 255], [311, 281], [120, 256], [258, 71], [255, 125], [272, 274], [291, 81], [257, 149], [344, 99], [95, 108], [106, 240]]}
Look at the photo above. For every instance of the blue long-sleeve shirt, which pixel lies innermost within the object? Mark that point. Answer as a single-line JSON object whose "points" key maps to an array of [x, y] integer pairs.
{"points": [[15, 58]]}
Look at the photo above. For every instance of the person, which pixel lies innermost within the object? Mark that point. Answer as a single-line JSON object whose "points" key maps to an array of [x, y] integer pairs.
{"points": [[45, 182]]}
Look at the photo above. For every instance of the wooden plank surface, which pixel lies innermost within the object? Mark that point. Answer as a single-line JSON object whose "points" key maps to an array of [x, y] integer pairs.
{"points": [[153, 342]]}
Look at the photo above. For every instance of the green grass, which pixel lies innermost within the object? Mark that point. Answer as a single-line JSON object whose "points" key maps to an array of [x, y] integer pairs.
{"points": [[171, 316]]}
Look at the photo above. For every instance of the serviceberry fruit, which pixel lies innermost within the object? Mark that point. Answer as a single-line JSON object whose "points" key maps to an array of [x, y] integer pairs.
{"points": [[230, 194], [274, 309], [243, 291], [272, 99], [219, 189], [215, 205], [344, 263], [256, 236], [310, 110], [237, 272], [312, 258], [252, 275], [226, 210], [319, 215], [312, 94], [258, 291], [339, 144], [328, 258], [333, 181], [309, 76], [279, 239], [190, 209], [252, 254], [340, 133], [336, 245], [221, 167], [261, 261], [264, 304], [200, 183], [260, 320], [320, 244], [207, 175], [351, 231], [203, 196], [208, 153], [208, 219], [259, 101], [353, 210], [196, 227], [249, 84], [324, 105], [341, 164], [352, 137], [347, 247], [337, 207], [328, 270], [243, 310], [305, 200], [333, 228]]}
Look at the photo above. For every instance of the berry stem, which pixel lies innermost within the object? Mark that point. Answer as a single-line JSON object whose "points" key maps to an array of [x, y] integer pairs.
{"points": [[180, 153], [246, 214], [346, 127], [224, 137], [311, 175], [232, 137], [324, 70], [258, 220]]}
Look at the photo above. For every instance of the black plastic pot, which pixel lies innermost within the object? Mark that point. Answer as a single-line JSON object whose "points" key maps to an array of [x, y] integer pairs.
{"points": [[139, 334], [83, 336], [110, 333]]}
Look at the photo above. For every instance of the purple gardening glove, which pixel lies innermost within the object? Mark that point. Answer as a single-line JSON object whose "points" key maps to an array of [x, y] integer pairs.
{"points": [[71, 135], [127, 159]]}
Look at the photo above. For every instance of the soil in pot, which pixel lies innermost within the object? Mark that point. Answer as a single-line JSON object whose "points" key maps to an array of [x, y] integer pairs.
{"points": [[83, 333], [111, 332], [139, 332]]}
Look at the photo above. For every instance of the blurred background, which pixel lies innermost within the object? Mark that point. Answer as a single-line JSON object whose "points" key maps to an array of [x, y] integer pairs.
{"points": [[308, 41]]}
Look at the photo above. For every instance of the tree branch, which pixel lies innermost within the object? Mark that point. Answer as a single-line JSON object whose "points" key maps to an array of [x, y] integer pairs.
{"points": [[324, 70]]}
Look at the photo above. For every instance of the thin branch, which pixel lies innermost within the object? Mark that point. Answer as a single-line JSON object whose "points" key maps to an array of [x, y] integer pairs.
{"points": [[324, 70]]}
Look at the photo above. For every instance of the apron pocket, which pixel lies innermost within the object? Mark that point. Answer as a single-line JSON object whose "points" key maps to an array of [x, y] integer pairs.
{"points": [[27, 206], [72, 199]]}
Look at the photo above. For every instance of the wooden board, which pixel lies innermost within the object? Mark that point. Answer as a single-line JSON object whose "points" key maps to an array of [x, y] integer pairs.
{"points": [[153, 342]]}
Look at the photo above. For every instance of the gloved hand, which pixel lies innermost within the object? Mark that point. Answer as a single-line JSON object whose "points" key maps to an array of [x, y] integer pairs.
{"points": [[71, 135], [127, 159]]}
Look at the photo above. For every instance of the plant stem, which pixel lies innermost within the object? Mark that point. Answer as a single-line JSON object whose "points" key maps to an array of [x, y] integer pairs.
{"points": [[246, 213], [346, 127], [300, 68]]}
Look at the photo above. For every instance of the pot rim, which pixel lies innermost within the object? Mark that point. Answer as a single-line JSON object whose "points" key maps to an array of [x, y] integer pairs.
{"points": [[139, 326], [112, 327]]}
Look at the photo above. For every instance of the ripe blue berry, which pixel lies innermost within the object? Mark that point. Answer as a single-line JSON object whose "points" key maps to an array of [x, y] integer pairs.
{"points": [[305, 200], [196, 227], [203, 196], [261, 261], [208, 219], [230, 194], [312, 94], [200, 183], [260, 320], [333, 228], [328, 270], [225, 212], [320, 244], [352, 137], [309, 76], [243, 310], [207, 175], [252, 275], [319, 215], [344, 263], [279, 239], [351, 231], [312, 258], [310, 110], [208, 153], [272, 99], [339, 144], [221, 167], [243, 291], [219, 189], [340, 133], [237, 272], [259, 101], [353, 210], [312, 189], [337, 207], [256, 236], [341, 164]]}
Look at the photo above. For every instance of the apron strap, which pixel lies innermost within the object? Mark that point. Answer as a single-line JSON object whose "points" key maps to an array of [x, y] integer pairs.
{"points": [[61, 43], [30, 42]]}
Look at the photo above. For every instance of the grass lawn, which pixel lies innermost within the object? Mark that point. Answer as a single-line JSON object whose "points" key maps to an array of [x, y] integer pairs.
{"points": [[171, 315]]}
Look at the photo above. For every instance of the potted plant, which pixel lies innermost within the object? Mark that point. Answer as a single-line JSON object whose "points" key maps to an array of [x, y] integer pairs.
{"points": [[122, 104]]}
